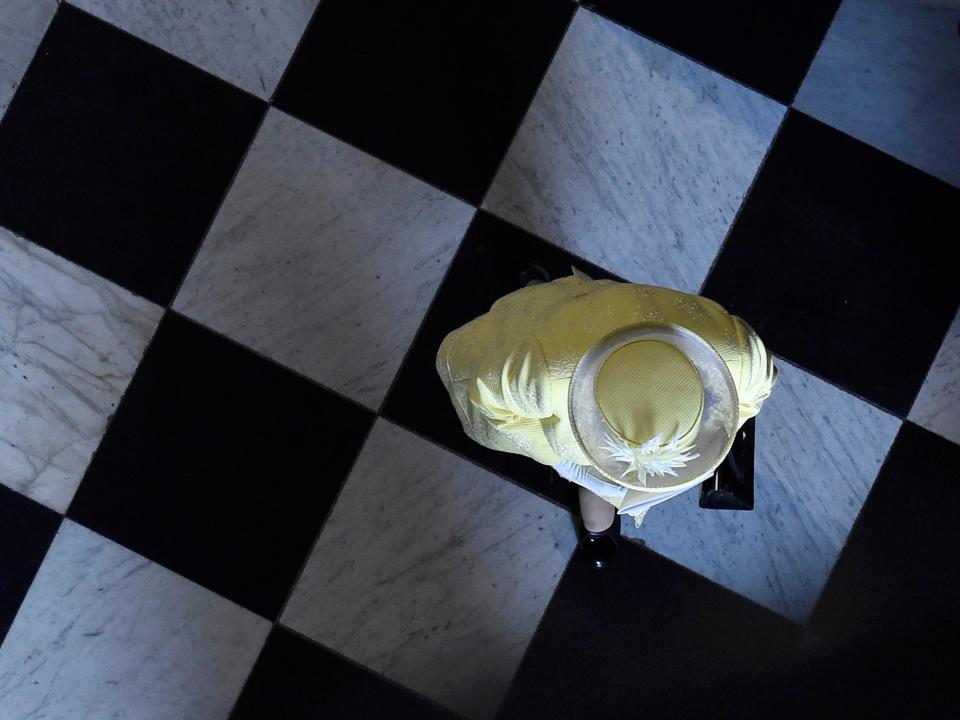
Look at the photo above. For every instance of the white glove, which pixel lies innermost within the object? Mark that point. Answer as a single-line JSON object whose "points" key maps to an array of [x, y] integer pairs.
{"points": [[580, 474]]}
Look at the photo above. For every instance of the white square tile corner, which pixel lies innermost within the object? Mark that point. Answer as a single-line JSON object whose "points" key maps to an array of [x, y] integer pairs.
{"points": [[245, 43], [432, 571], [323, 258], [70, 342], [818, 451], [633, 156], [937, 405], [103, 632], [22, 25], [886, 73]]}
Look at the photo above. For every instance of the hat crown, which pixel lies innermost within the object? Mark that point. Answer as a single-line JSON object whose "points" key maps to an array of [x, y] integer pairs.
{"points": [[649, 393], [649, 388]]}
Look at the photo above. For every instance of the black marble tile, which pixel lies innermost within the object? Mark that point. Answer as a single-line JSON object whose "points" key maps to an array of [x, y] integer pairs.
{"points": [[645, 637], [839, 261], [898, 571], [488, 265], [116, 155], [220, 465], [295, 679], [766, 45], [26, 531], [437, 88]]}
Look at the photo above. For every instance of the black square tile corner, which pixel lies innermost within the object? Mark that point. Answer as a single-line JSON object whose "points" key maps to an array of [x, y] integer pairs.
{"points": [[887, 614], [897, 575], [837, 261], [646, 635], [26, 531], [116, 154], [488, 265], [766, 45], [434, 87], [295, 679], [220, 465]]}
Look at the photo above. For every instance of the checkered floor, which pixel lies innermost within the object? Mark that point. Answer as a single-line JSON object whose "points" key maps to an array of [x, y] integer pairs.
{"points": [[232, 236]]}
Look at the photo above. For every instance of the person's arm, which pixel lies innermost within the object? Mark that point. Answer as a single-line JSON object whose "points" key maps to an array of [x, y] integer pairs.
{"points": [[580, 475], [499, 391]]}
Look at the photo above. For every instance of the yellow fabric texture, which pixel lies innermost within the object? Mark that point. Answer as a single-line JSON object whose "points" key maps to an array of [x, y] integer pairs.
{"points": [[649, 387], [509, 370]]}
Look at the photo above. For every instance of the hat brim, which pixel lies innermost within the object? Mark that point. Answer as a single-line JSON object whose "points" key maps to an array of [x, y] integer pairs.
{"points": [[720, 415]]}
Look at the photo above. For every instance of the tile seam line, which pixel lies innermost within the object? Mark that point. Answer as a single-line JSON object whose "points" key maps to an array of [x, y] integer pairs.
{"points": [[684, 55], [389, 163], [296, 51], [112, 419], [275, 622], [33, 55], [276, 363], [533, 97], [813, 56], [871, 148], [241, 161], [423, 318], [533, 635], [746, 196], [853, 527], [363, 668], [167, 53], [326, 517]]}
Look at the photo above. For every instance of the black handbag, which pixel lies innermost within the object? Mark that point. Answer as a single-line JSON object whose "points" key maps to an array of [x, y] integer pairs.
{"points": [[731, 486]]}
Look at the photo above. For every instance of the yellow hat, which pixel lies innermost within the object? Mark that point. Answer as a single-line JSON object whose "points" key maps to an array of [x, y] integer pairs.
{"points": [[647, 388], [654, 407]]}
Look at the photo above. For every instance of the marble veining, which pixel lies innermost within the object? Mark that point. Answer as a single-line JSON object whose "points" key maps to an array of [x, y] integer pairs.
{"points": [[69, 344], [641, 173], [886, 73], [22, 24], [937, 406], [432, 571], [105, 633], [246, 43], [323, 258], [818, 451]]}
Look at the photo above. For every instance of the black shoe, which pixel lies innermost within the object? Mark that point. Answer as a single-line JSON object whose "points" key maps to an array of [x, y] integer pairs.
{"points": [[533, 271], [598, 549]]}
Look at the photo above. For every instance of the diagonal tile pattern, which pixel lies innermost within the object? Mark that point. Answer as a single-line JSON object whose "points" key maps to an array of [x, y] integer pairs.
{"points": [[936, 407], [248, 44], [69, 344], [271, 509], [818, 450], [642, 173], [22, 24], [432, 572], [886, 73], [106, 632], [332, 271]]}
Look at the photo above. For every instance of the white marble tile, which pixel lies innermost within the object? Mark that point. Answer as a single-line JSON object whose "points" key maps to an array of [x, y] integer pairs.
{"points": [[247, 43], [105, 633], [937, 406], [633, 156], [69, 344], [323, 258], [432, 572], [22, 25], [886, 73], [818, 451]]}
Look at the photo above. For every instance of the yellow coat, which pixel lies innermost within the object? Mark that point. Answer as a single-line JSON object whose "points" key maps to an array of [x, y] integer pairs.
{"points": [[509, 370]]}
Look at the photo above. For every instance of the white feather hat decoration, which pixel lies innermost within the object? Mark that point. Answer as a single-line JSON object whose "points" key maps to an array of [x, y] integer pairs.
{"points": [[651, 458], [655, 466]]}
